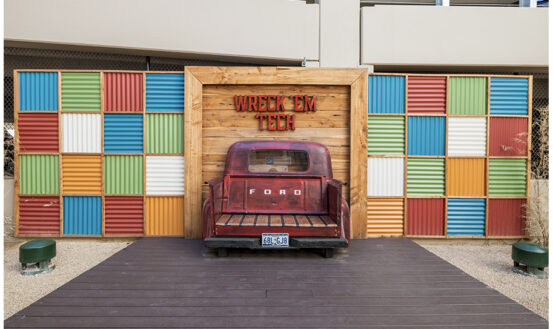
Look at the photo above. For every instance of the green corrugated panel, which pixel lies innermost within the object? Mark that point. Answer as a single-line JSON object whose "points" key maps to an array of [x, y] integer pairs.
{"points": [[425, 176], [39, 174], [467, 95], [507, 177], [386, 135], [80, 91], [165, 133], [124, 174]]}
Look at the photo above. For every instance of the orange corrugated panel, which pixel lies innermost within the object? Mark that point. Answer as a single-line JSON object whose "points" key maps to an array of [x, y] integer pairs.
{"points": [[165, 216], [39, 215], [508, 136], [124, 215], [123, 92], [426, 94], [82, 174], [384, 217], [466, 177]]}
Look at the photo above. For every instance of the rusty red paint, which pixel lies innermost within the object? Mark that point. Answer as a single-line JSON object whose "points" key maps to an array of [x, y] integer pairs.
{"points": [[506, 217], [426, 94], [123, 92], [312, 191], [425, 217], [124, 215], [39, 215], [38, 132], [508, 136]]}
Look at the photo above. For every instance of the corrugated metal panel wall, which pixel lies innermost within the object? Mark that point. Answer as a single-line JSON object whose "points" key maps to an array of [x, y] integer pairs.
{"points": [[165, 133], [385, 217], [165, 216], [38, 91], [466, 136], [39, 215], [425, 217], [386, 135], [467, 96], [506, 217], [425, 176], [82, 215], [386, 94], [38, 132], [507, 177], [123, 92], [123, 174], [123, 133], [80, 91], [466, 217], [82, 133], [508, 136], [39, 174], [81, 174], [426, 136], [509, 96], [124, 215], [165, 175], [164, 92], [466, 177], [385, 176], [426, 94]]}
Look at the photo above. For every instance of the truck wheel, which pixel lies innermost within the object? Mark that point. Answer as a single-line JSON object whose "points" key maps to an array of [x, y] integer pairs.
{"points": [[222, 252], [328, 252]]}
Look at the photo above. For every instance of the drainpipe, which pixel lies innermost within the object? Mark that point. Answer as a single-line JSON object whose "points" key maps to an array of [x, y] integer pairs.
{"points": [[528, 3], [442, 3], [147, 63]]}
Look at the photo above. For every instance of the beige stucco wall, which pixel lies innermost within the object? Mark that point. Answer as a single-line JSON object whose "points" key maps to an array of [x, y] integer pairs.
{"points": [[268, 29], [475, 36]]}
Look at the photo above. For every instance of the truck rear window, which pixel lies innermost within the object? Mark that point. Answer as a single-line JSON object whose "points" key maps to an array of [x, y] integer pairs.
{"points": [[278, 161]]}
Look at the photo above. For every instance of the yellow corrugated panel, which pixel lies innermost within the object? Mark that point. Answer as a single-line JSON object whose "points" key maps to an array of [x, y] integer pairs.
{"points": [[384, 217], [82, 174], [466, 177], [165, 216]]}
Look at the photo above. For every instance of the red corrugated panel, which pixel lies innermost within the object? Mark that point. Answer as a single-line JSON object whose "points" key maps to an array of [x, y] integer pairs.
{"points": [[426, 94], [425, 217], [38, 132], [124, 215], [39, 215], [508, 136], [506, 217], [123, 92]]}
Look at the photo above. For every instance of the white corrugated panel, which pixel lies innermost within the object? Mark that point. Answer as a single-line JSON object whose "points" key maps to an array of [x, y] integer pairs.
{"points": [[385, 176], [466, 136], [82, 133], [164, 175]]}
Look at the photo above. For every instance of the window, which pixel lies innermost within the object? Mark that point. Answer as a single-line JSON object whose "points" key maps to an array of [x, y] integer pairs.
{"points": [[278, 161]]}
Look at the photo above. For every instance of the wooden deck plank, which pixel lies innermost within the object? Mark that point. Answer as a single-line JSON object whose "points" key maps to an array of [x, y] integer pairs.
{"points": [[172, 282]]}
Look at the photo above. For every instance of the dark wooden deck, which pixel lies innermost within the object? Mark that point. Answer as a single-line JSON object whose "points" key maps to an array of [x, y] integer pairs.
{"points": [[377, 283]]}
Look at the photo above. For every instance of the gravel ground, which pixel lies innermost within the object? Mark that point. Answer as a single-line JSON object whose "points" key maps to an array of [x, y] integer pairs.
{"points": [[74, 256], [492, 265]]}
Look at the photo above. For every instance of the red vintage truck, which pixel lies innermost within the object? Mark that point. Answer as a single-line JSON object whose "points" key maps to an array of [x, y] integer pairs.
{"points": [[276, 194]]}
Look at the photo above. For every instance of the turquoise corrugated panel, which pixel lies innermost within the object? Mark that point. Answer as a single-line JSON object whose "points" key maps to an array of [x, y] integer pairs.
{"points": [[165, 92], [38, 91], [466, 217], [123, 133], [426, 136], [386, 94], [509, 96], [82, 215]]}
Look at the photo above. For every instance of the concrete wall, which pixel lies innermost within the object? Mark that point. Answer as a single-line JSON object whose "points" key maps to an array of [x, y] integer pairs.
{"points": [[339, 33], [464, 36], [216, 29]]}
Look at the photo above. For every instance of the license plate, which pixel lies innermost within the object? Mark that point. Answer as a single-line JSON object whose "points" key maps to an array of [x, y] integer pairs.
{"points": [[274, 239]]}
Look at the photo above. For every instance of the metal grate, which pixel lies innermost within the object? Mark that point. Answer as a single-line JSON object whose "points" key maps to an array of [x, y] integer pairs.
{"points": [[540, 126]]}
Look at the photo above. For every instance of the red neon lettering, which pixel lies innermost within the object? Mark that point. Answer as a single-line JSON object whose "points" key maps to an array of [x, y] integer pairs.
{"points": [[240, 103], [252, 103]]}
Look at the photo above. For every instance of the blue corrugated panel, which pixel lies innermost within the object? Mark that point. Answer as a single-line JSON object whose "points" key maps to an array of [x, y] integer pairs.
{"points": [[123, 133], [509, 96], [82, 215], [386, 94], [426, 135], [164, 92], [38, 91], [466, 217]]}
